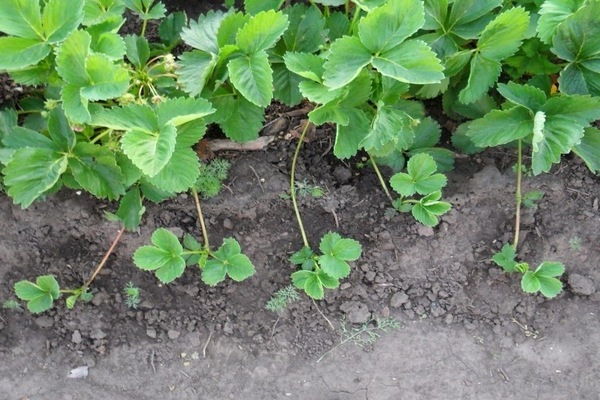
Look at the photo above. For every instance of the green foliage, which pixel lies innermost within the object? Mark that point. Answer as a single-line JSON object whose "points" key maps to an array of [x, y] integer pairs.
{"points": [[169, 259], [132, 295], [324, 271], [421, 178], [211, 177], [282, 298], [544, 279], [553, 126], [39, 295]]}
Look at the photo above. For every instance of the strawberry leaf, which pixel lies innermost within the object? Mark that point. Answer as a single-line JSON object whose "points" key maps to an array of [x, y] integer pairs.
{"points": [[228, 260], [39, 295], [165, 257]]}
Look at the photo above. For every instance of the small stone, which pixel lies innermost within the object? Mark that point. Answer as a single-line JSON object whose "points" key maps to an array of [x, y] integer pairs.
{"points": [[356, 312], [151, 333], [227, 224], [98, 334], [398, 299], [44, 321], [76, 337], [173, 334], [582, 285], [423, 230]]}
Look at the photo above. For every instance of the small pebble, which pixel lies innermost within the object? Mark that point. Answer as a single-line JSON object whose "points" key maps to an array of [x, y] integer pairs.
{"points": [[173, 334]]}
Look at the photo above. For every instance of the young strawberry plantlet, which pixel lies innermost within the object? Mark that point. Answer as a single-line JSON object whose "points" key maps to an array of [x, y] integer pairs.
{"points": [[420, 178], [169, 258], [41, 294], [319, 271], [552, 126], [543, 279]]}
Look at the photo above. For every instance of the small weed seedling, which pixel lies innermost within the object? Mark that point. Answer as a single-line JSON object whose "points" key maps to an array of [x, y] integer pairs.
{"points": [[11, 305], [364, 335], [169, 258], [575, 243], [132, 295], [282, 299]]}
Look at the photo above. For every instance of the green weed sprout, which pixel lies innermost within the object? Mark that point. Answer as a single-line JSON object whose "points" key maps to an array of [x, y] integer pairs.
{"points": [[132, 295], [282, 298]]}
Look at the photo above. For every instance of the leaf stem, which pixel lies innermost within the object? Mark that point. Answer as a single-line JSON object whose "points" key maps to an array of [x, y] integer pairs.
{"points": [[201, 219], [293, 184], [518, 196], [100, 135], [381, 180], [144, 24], [104, 259]]}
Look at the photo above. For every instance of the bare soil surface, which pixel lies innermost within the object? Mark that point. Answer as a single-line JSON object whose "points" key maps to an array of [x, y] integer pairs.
{"points": [[466, 329]]}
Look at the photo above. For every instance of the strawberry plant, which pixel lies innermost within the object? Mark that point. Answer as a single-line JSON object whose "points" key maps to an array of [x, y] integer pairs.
{"points": [[112, 121]]}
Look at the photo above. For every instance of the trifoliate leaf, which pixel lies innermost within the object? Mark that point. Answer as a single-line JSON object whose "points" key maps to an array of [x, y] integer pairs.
{"points": [[391, 126], [150, 152], [261, 32], [344, 249], [98, 11], [347, 57], [305, 257], [543, 279], [388, 26], [39, 295], [430, 208], [164, 257], [420, 177], [228, 260], [253, 77], [505, 258], [309, 282], [31, 172]]}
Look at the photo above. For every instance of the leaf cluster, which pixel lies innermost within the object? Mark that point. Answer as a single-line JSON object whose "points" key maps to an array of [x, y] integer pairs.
{"points": [[168, 258], [544, 279], [323, 271]]}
